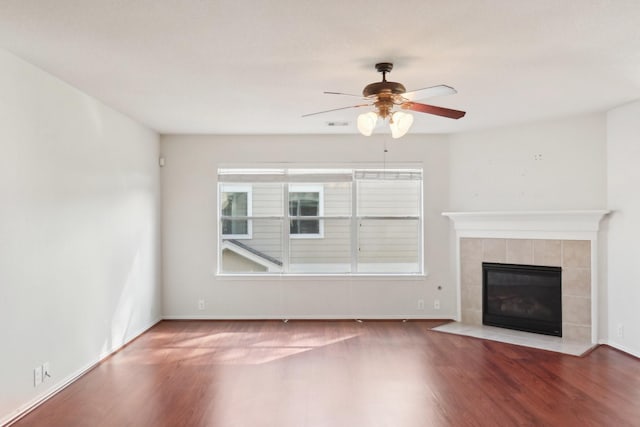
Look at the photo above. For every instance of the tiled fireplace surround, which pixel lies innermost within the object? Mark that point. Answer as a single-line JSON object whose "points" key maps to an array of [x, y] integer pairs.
{"points": [[574, 256], [567, 239]]}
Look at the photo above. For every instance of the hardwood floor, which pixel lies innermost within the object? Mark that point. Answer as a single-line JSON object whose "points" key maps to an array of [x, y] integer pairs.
{"points": [[342, 373]]}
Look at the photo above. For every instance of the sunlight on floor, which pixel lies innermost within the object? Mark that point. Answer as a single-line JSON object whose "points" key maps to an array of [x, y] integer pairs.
{"points": [[249, 348]]}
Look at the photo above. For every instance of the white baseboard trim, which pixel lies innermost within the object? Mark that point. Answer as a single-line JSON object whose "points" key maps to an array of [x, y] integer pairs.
{"points": [[310, 317], [622, 348], [65, 382]]}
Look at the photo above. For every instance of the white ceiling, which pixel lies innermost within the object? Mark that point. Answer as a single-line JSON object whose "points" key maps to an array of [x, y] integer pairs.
{"points": [[255, 66]]}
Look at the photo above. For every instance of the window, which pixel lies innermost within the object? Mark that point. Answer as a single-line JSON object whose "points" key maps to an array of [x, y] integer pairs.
{"points": [[305, 201], [235, 209], [320, 221]]}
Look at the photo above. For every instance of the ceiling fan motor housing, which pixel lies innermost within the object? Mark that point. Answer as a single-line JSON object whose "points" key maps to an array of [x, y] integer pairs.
{"points": [[383, 87]]}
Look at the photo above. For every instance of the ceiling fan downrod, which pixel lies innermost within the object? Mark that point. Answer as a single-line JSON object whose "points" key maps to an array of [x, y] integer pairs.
{"points": [[384, 68]]}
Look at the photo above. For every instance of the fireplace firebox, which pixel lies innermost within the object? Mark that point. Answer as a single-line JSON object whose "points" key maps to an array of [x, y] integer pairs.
{"points": [[522, 297]]}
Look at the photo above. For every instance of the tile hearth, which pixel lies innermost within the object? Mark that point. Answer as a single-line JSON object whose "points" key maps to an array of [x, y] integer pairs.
{"points": [[526, 339]]}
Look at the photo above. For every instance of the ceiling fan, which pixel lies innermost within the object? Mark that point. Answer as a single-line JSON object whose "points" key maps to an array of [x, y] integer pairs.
{"points": [[385, 96]]}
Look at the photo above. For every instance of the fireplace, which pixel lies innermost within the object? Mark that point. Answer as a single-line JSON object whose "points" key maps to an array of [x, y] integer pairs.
{"points": [[523, 297], [567, 239]]}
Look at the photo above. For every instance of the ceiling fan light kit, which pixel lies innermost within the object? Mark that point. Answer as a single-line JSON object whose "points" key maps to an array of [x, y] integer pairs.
{"points": [[367, 122], [384, 96], [400, 123]]}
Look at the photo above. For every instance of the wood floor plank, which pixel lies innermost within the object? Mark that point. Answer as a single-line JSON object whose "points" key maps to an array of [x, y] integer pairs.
{"points": [[342, 373]]}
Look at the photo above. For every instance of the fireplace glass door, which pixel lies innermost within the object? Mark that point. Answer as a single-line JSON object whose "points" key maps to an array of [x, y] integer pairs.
{"points": [[522, 297]]}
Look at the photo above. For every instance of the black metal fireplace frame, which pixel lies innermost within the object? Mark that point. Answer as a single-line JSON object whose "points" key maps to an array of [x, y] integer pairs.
{"points": [[518, 323]]}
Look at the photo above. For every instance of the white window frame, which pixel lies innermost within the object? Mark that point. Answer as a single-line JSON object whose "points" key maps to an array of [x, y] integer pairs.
{"points": [[241, 180], [308, 188], [235, 188]]}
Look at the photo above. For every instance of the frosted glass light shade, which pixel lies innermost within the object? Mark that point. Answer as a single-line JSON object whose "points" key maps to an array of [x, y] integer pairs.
{"points": [[400, 123], [367, 122]]}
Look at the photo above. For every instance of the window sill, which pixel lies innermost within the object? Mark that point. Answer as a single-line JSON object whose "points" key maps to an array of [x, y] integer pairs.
{"points": [[321, 277]]}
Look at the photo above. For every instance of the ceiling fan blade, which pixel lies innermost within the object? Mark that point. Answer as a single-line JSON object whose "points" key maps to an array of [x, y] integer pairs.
{"points": [[432, 109], [336, 109], [429, 92], [340, 93]]}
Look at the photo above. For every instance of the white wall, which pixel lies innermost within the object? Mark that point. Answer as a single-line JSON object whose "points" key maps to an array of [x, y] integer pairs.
{"points": [[189, 232], [623, 156], [553, 165], [79, 231]]}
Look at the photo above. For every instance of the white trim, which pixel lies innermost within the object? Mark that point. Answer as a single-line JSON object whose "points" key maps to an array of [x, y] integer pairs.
{"points": [[443, 316], [269, 277], [620, 347], [507, 222]]}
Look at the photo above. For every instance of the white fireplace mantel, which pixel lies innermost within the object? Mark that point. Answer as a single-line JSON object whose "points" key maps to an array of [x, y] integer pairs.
{"points": [[578, 224]]}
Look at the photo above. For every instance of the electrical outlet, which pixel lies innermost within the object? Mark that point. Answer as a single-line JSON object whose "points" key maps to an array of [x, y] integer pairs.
{"points": [[420, 304], [200, 304], [620, 330], [37, 376], [436, 304]]}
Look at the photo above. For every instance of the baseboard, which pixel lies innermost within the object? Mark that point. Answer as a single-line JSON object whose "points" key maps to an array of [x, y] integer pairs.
{"points": [[70, 379], [308, 317], [621, 348]]}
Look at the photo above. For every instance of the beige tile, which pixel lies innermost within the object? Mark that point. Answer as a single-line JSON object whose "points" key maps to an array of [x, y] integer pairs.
{"points": [[576, 310], [472, 298], [471, 274], [466, 300], [519, 251], [472, 317], [470, 249], [577, 333], [576, 253], [547, 252], [576, 282], [494, 250]]}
